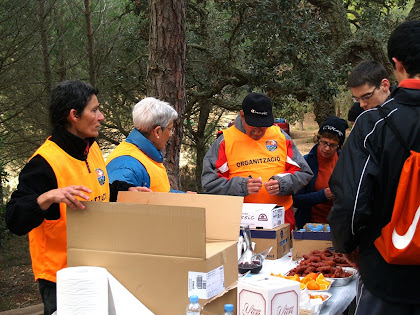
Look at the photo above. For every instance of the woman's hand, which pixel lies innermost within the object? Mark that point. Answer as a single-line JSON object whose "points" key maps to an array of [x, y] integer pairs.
{"points": [[67, 195], [328, 193], [140, 188]]}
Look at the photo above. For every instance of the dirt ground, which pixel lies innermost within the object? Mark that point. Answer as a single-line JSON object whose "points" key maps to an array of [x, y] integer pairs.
{"points": [[17, 286]]}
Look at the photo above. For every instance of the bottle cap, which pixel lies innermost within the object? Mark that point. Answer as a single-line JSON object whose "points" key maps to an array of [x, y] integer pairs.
{"points": [[194, 299], [228, 307]]}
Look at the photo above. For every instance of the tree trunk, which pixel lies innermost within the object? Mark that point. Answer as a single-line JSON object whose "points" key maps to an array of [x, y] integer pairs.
{"points": [[200, 143], [414, 14], [323, 108], [44, 45], [89, 34], [166, 70]]}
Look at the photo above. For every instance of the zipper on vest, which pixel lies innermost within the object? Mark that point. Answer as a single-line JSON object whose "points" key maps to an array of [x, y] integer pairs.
{"points": [[86, 154]]}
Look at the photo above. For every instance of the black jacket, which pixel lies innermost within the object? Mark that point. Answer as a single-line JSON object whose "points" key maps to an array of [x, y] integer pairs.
{"points": [[37, 177], [364, 184]]}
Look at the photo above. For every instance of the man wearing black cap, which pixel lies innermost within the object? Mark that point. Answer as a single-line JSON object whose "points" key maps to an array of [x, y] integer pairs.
{"points": [[314, 202], [256, 160]]}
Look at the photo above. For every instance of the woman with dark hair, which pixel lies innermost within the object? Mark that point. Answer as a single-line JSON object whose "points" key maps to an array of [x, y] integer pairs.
{"points": [[314, 202], [67, 168]]}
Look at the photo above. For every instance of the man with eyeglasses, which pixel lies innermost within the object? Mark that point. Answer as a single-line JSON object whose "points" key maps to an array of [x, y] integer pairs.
{"points": [[256, 160], [369, 84], [314, 202], [365, 181]]}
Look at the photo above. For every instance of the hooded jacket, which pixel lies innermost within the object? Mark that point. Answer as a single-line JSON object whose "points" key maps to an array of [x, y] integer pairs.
{"points": [[364, 184]]}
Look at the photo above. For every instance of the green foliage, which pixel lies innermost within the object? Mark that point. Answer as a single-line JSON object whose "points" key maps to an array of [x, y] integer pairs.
{"points": [[296, 52], [290, 108]]}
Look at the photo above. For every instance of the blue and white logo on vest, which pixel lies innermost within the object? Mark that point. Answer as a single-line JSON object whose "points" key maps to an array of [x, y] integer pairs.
{"points": [[271, 145], [101, 176]]}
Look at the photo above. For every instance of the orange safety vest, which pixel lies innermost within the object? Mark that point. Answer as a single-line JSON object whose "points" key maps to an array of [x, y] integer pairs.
{"points": [[257, 158], [159, 181], [48, 241]]}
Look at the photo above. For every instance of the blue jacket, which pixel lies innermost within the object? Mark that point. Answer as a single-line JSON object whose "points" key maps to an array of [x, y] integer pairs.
{"points": [[308, 197], [128, 169]]}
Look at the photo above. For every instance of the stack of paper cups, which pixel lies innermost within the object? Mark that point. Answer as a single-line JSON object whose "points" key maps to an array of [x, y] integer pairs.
{"points": [[82, 290]]}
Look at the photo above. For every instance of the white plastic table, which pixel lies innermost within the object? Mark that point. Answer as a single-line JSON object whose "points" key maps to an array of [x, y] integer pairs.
{"points": [[341, 296]]}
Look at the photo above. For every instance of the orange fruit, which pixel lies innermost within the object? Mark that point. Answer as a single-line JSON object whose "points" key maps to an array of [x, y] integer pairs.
{"points": [[302, 286], [320, 277], [323, 286], [312, 275], [312, 285], [305, 280]]}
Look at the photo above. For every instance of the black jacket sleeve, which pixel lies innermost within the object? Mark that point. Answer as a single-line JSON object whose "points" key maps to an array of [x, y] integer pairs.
{"points": [[22, 211], [117, 186]]}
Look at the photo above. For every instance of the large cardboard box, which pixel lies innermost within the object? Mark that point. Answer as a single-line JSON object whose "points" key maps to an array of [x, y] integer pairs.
{"points": [[262, 215], [278, 238], [306, 241], [268, 296], [159, 244]]}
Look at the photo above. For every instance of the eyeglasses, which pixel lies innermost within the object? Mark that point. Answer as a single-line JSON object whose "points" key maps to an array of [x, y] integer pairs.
{"points": [[332, 146], [171, 130], [364, 97]]}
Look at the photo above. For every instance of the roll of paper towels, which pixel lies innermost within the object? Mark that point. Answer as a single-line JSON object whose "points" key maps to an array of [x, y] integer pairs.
{"points": [[86, 285]]}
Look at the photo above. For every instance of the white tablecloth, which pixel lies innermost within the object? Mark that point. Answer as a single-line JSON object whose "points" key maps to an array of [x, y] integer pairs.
{"points": [[341, 296]]}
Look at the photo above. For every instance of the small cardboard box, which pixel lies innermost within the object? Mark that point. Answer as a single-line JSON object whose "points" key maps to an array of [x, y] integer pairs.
{"points": [[262, 216], [162, 247], [278, 238], [307, 241], [268, 296]]}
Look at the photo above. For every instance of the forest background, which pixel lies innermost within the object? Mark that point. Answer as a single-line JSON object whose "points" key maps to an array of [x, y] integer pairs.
{"points": [[203, 56]]}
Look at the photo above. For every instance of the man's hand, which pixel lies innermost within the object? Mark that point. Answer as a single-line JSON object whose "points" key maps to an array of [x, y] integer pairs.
{"points": [[140, 188], [67, 195], [253, 185], [353, 258], [272, 186]]}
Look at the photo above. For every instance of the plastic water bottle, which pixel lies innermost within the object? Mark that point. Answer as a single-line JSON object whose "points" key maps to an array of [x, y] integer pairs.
{"points": [[228, 309], [194, 308]]}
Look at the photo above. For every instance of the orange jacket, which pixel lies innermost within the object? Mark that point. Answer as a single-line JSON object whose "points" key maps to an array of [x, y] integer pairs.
{"points": [[159, 181], [48, 242], [266, 159]]}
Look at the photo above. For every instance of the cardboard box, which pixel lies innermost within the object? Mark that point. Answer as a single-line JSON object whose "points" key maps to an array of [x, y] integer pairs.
{"points": [[268, 296], [159, 244], [278, 238], [307, 241], [262, 216]]}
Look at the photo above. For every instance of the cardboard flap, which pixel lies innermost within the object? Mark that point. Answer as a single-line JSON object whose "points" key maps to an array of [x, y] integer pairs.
{"points": [[258, 206], [138, 228], [223, 213]]}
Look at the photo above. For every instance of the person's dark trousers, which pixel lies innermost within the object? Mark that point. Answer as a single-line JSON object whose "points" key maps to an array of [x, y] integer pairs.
{"points": [[48, 292], [368, 304]]}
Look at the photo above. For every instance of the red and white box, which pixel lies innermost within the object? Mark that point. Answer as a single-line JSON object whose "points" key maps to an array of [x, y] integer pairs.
{"points": [[262, 215], [268, 295]]}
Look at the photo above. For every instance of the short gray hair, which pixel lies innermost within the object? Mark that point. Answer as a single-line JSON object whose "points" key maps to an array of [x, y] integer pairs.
{"points": [[151, 112]]}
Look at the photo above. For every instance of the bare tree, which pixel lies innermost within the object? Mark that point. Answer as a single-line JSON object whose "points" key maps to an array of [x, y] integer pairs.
{"points": [[166, 69], [89, 34]]}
